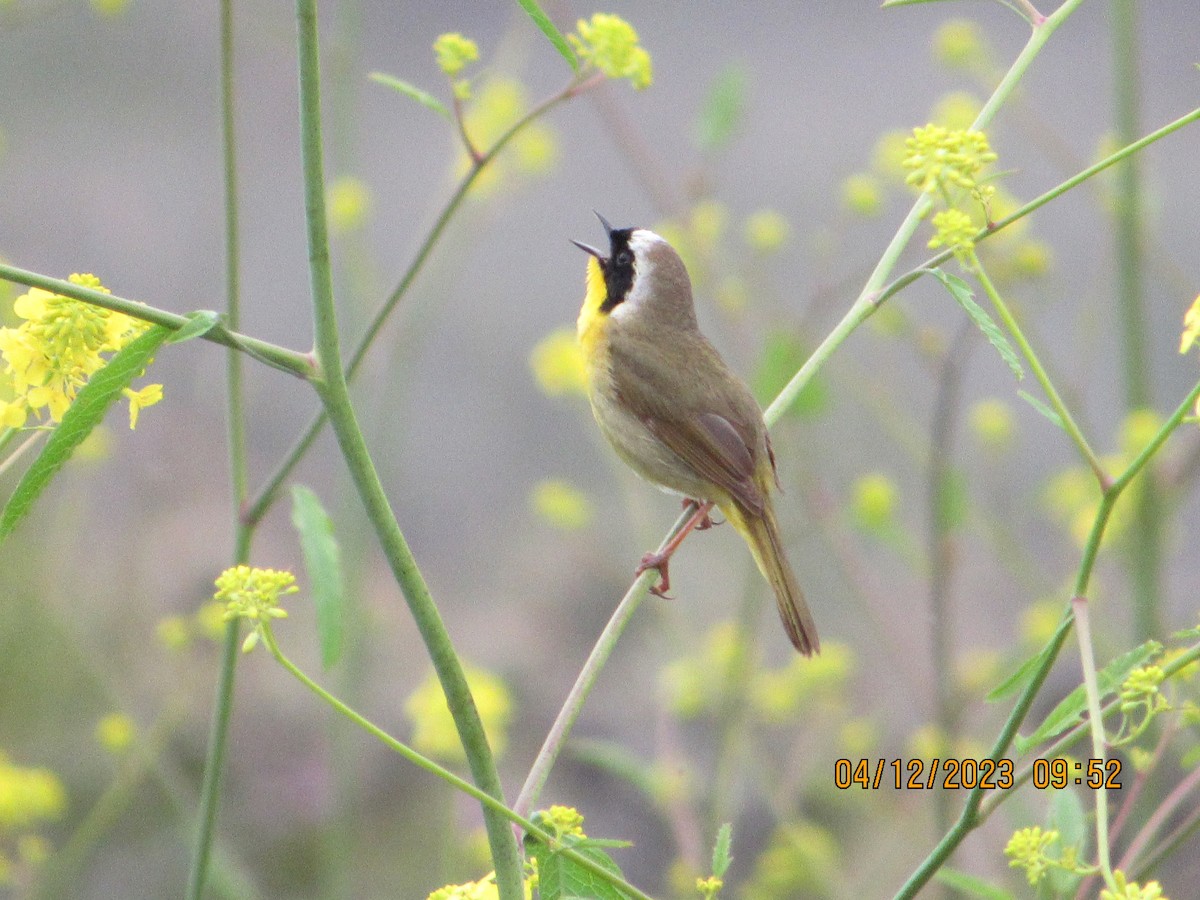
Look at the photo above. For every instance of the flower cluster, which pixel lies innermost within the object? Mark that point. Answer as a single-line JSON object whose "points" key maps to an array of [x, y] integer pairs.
{"points": [[28, 798], [59, 346], [454, 53], [1026, 850], [939, 158], [610, 44], [1131, 890], [253, 594], [954, 229]]}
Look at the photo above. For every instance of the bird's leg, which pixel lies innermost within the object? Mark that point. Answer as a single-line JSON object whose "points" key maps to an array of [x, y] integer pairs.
{"points": [[659, 560], [707, 522]]}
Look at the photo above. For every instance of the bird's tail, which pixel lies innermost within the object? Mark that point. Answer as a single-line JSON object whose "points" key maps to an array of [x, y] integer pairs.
{"points": [[762, 535]]}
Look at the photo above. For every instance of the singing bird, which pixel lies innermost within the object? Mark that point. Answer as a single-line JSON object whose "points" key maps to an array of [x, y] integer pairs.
{"points": [[675, 412]]}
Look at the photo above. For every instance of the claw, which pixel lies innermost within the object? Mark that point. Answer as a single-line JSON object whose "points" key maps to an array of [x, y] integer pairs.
{"points": [[658, 562]]}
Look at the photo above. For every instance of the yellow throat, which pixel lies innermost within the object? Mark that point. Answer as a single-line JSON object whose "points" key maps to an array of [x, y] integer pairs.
{"points": [[592, 324]]}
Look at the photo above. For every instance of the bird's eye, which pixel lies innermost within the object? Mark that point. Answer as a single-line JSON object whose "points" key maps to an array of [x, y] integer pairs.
{"points": [[624, 258]]}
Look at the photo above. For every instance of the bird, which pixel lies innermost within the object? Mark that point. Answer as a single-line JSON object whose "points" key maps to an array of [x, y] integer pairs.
{"points": [[674, 411]]}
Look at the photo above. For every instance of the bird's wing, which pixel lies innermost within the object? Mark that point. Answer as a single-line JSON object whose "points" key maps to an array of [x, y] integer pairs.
{"points": [[708, 437]]}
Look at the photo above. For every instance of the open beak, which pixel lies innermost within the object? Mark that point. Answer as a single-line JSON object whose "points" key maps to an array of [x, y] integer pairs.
{"points": [[587, 248]]}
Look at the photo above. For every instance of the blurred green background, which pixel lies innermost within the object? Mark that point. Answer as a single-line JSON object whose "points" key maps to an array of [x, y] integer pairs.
{"points": [[111, 164]]}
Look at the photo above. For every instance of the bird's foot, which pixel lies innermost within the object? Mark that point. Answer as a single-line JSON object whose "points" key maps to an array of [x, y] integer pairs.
{"points": [[658, 562], [706, 520]]}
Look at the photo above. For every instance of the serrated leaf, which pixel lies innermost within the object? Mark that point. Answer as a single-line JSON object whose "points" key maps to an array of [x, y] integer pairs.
{"points": [[961, 292], [323, 562], [84, 414], [782, 356], [1018, 679], [1042, 408], [969, 885], [723, 108], [425, 98], [1069, 711], [561, 878], [550, 30], [200, 323], [722, 856]]}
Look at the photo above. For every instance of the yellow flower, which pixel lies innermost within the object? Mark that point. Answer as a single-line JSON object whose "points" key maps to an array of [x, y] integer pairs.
{"points": [[1131, 890], [862, 194], [173, 632], [115, 732], [874, 504], [433, 727], [960, 44], [1026, 850], [766, 231], [1191, 326], [28, 796], [110, 8], [956, 110], [776, 695], [561, 504], [454, 52], [610, 44], [992, 422], [498, 106], [954, 230], [58, 347], [939, 157], [253, 594], [557, 364], [349, 201], [140, 399], [891, 150]]}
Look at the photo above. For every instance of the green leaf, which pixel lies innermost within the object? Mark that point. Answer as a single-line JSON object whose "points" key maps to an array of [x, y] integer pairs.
{"points": [[1069, 711], [84, 414], [561, 878], [423, 97], [1042, 408], [722, 856], [1067, 816], [783, 355], [1018, 679], [542, 21], [323, 561], [200, 323], [969, 885], [961, 292], [723, 109]]}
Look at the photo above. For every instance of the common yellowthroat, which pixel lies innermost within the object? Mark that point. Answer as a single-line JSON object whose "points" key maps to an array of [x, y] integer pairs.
{"points": [[675, 412]]}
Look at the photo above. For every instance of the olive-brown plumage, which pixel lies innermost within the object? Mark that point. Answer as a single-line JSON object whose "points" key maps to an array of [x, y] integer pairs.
{"points": [[673, 410]]}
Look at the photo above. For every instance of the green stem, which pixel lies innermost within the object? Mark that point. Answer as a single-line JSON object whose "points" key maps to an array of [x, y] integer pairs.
{"points": [[214, 763], [335, 397], [258, 507], [277, 357], [970, 816], [1083, 632], [1039, 372], [903, 281], [1145, 547], [870, 297], [223, 709], [586, 680], [417, 759]]}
